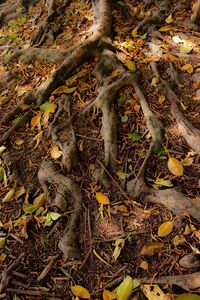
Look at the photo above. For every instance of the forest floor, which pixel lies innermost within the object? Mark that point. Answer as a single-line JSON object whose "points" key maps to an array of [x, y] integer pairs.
{"points": [[118, 232]]}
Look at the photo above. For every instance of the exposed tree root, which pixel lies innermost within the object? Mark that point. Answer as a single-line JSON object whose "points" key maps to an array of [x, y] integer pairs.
{"points": [[6, 274], [30, 54], [186, 129], [187, 282], [196, 13], [69, 149], [48, 31], [65, 186]]}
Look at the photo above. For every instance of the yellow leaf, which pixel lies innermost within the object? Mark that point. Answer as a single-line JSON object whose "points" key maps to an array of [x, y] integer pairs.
{"points": [[186, 48], [36, 119], [55, 152], [9, 196], [169, 19], [64, 90], [40, 200], [81, 292], [188, 297], [134, 32], [2, 242], [188, 161], [19, 142], [163, 182], [183, 105], [197, 98], [151, 248], [51, 109], [188, 68], [179, 239], [155, 81], [102, 198], [165, 229], [119, 245], [175, 166], [161, 99], [153, 292], [20, 192], [107, 295], [144, 265], [130, 65], [166, 28]]}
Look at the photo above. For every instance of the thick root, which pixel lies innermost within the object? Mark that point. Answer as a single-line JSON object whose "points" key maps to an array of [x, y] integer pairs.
{"points": [[66, 186]]}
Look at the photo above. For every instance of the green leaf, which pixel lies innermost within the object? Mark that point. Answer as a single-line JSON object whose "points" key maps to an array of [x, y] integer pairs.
{"points": [[65, 272], [136, 283], [124, 290], [119, 245], [159, 150], [54, 216], [122, 100], [124, 118], [135, 136], [48, 106], [122, 175], [188, 297], [29, 209], [22, 20]]}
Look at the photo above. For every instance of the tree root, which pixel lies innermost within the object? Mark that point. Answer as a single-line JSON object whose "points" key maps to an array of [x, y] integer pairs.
{"points": [[69, 149], [65, 186], [20, 122], [157, 18], [187, 282], [6, 274], [28, 55], [196, 13], [48, 31], [186, 129]]}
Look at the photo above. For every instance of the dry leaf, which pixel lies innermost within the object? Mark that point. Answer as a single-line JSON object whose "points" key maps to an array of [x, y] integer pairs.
{"points": [[102, 198], [175, 166], [20, 192], [188, 161], [64, 90], [130, 65], [119, 245], [165, 229], [81, 292], [144, 265], [2, 241], [40, 200], [151, 248], [153, 292], [161, 99], [107, 295], [9, 196], [55, 152], [166, 28], [188, 68], [36, 119], [169, 19]]}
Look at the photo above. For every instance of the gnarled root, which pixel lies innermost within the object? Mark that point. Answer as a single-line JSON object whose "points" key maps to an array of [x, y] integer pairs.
{"points": [[187, 282], [65, 186], [196, 13]]}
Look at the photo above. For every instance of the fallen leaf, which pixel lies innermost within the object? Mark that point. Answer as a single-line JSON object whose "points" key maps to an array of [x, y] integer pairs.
{"points": [[163, 182], [166, 28], [40, 200], [186, 48], [165, 229], [187, 162], [122, 175], [36, 119], [151, 248], [144, 265], [19, 142], [188, 68], [161, 99], [153, 292], [20, 192], [2, 241], [124, 290], [9, 196], [2, 148], [134, 136], [107, 295], [119, 245], [169, 19], [80, 291], [102, 198], [55, 152], [175, 166], [130, 65], [134, 32], [64, 90], [54, 215]]}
